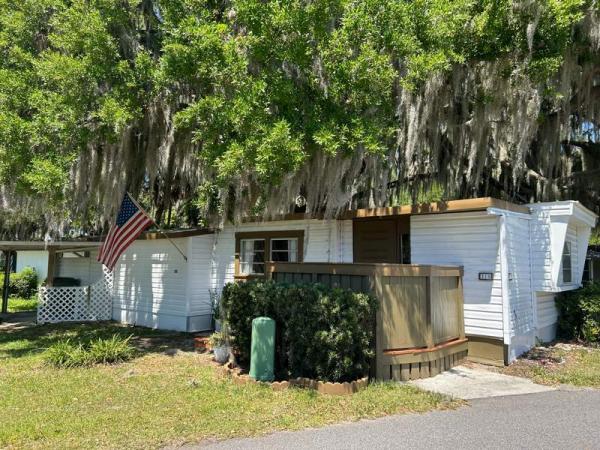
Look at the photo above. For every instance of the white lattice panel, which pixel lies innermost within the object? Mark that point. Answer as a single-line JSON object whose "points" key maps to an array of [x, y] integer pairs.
{"points": [[76, 304]]}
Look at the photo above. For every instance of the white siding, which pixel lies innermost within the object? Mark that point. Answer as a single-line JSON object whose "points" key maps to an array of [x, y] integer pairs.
{"points": [[86, 269], [546, 309], [38, 259], [150, 285], [200, 284], [519, 296], [324, 241], [541, 251], [553, 224], [469, 240]]}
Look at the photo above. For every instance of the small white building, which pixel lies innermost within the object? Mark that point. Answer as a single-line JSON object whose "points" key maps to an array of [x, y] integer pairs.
{"points": [[516, 258], [37, 259]]}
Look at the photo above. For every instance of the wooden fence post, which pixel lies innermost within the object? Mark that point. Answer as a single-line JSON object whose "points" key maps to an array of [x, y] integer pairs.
{"points": [[461, 304]]}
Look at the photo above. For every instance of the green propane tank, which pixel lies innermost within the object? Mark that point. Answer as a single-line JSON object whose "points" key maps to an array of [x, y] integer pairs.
{"points": [[262, 353]]}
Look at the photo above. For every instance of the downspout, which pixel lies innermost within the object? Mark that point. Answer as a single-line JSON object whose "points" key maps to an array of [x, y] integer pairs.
{"points": [[534, 311], [188, 277], [504, 282]]}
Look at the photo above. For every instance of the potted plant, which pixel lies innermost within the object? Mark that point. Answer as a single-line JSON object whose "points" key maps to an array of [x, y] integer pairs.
{"points": [[217, 313], [219, 343]]}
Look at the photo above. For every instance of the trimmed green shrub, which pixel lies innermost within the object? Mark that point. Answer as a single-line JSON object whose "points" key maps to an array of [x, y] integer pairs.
{"points": [[23, 284], [66, 354], [321, 333], [579, 314]]}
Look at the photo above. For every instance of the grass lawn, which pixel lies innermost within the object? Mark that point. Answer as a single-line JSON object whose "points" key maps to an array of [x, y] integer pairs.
{"points": [[162, 397], [22, 304], [560, 364]]}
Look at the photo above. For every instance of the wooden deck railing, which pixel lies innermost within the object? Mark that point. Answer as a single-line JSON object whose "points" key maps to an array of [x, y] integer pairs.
{"points": [[420, 321]]}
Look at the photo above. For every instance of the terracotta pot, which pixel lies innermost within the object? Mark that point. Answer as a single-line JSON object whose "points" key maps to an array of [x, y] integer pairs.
{"points": [[202, 344]]}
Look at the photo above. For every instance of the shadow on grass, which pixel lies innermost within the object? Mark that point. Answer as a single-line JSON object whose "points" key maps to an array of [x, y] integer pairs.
{"points": [[35, 339]]}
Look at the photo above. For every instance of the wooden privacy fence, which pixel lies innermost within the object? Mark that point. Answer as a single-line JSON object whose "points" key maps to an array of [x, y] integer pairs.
{"points": [[420, 320]]}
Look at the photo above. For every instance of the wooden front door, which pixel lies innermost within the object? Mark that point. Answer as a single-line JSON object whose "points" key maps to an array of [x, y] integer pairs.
{"points": [[385, 240]]}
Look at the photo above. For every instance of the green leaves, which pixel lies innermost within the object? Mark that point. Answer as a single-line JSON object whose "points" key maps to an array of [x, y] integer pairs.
{"points": [[250, 90], [579, 313], [322, 333], [46, 177]]}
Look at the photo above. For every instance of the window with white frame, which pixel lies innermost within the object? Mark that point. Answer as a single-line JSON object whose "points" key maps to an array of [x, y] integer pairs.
{"points": [[284, 250], [567, 268], [588, 274], [252, 256]]}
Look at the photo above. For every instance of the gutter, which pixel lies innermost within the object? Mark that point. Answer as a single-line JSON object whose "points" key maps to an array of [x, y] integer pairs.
{"points": [[504, 281]]}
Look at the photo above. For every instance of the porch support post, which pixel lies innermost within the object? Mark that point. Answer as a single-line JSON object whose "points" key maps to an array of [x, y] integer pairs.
{"points": [[51, 266], [5, 287], [460, 304]]}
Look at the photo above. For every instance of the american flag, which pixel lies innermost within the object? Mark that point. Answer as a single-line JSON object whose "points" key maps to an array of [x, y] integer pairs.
{"points": [[131, 221]]}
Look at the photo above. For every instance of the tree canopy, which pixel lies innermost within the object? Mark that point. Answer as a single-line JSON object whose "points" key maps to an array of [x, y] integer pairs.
{"points": [[210, 110]]}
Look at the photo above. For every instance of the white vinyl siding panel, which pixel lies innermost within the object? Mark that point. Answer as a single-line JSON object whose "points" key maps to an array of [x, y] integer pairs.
{"points": [[38, 259], [520, 298], [547, 313], [151, 277], [554, 224], [468, 240], [541, 252], [200, 271], [87, 270], [547, 316]]}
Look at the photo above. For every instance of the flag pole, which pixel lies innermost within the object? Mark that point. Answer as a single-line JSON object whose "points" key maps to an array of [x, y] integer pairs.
{"points": [[160, 230]]}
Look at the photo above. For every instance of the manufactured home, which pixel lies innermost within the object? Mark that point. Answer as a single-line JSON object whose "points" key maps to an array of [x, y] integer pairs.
{"points": [[515, 259]]}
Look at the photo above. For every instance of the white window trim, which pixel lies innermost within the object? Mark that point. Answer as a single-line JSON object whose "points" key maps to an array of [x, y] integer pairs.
{"points": [[253, 252], [569, 245]]}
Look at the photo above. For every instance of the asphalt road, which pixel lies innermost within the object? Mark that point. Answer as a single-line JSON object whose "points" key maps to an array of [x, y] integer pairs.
{"points": [[549, 420]]}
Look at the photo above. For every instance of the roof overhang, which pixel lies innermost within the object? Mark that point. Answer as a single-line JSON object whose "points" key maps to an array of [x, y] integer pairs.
{"points": [[52, 245], [95, 243], [174, 234], [571, 208], [440, 207]]}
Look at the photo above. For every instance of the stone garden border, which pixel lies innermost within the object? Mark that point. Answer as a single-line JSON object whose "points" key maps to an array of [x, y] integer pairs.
{"points": [[202, 345], [321, 387]]}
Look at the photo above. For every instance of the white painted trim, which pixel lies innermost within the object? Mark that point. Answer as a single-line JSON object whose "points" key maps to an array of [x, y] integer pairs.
{"points": [[568, 208], [188, 275], [504, 212], [504, 279], [531, 284]]}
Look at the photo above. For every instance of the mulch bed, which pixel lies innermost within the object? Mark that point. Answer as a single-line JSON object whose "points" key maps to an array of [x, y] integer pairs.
{"points": [[236, 374]]}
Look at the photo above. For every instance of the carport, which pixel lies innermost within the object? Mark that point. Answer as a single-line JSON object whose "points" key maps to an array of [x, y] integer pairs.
{"points": [[10, 248]]}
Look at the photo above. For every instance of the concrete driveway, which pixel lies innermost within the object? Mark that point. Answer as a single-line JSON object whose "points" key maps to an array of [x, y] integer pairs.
{"points": [[470, 383], [555, 419]]}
